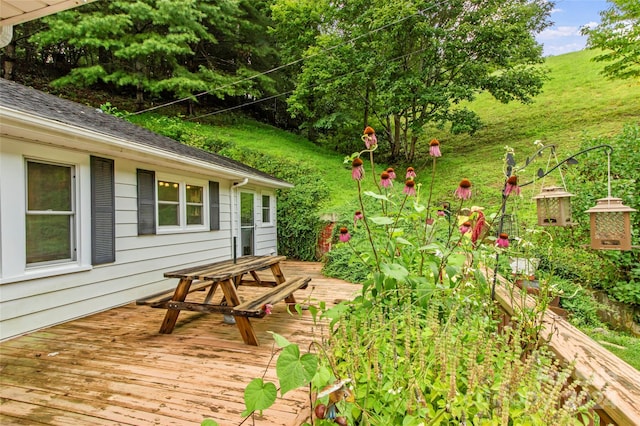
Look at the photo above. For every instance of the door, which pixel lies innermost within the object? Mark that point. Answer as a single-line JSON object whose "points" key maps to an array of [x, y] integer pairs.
{"points": [[247, 224]]}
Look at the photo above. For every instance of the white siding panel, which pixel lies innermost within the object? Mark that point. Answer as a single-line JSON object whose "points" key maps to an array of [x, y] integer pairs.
{"points": [[141, 261]]}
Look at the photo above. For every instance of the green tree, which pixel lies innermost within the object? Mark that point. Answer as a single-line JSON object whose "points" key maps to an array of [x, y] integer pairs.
{"points": [[618, 36], [155, 46], [400, 65]]}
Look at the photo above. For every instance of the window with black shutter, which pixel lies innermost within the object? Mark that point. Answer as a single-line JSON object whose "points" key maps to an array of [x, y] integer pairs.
{"points": [[146, 202], [103, 214]]}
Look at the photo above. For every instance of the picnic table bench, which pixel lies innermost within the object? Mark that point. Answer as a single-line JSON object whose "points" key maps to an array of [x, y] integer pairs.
{"points": [[229, 275]]}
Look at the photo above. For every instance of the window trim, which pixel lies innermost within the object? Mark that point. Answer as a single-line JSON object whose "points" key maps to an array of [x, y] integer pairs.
{"points": [[272, 198], [183, 181], [72, 214]]}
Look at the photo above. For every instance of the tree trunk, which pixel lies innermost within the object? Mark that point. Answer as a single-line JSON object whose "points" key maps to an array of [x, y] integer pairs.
{"points": [[397, 145], [9, 60], [366, 109]]}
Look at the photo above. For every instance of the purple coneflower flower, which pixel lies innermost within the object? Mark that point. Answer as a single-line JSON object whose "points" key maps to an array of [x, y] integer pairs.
{"points": [[409, 187], [392, 173], [465, 227], [385, 180], [434, 148], [411, 173], [512, 186], [344, 235], [369, 137], [429, 221], [357, 216], [463, 191], [503, 240], [441, 213], [357, 171]]}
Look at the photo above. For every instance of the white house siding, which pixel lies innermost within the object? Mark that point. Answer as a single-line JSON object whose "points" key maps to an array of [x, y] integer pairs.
{"points": [[30, 300]]}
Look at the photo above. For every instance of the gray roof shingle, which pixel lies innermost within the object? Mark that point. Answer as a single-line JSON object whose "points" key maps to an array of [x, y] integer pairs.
{"points": [[21, 98]]}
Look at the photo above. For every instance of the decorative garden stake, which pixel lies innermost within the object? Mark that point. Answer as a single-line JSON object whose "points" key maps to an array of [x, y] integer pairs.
{"points": [[610, 224], [554, 207]]}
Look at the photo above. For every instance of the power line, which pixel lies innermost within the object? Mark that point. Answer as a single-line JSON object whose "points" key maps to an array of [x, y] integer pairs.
{"points": [[373, 31], [397, 58]]}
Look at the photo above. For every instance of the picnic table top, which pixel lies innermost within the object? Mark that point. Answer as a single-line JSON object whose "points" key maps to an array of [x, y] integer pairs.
{"points": [[226, 269]]}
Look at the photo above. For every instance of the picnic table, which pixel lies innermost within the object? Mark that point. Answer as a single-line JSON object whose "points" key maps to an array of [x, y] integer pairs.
{"points": [[228, 275]]}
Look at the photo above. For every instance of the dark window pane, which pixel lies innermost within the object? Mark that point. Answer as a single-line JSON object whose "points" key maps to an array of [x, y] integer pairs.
{"points": [[168, 191], [266, 209], [49, 187], [194, 215], [48, 238], [246, 207], [168, 215], [194, 194]]}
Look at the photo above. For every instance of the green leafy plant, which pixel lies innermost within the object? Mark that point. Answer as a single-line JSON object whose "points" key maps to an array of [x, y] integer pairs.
{"points": [[422, 343]]}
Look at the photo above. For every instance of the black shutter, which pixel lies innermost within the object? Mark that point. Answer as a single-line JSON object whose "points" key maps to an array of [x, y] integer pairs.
{"points": [[214, 206], [146, 202], [103, 212]]}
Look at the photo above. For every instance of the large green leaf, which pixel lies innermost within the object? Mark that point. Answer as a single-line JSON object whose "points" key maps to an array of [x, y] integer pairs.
{"points": [[394, 270], [294, 370], [258, 396]]}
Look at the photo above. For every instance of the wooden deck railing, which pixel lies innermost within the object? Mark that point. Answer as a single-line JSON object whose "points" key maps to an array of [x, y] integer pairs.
{"points": [[614, 384]]}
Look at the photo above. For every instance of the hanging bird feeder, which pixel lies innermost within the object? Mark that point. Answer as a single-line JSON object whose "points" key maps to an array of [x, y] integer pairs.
{"points": [[554, 207], [610, 224], [610, 220]]}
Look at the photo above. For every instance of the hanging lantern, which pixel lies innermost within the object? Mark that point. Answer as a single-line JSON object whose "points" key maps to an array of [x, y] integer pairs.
{"points": [[554, 207], [610, 224]]}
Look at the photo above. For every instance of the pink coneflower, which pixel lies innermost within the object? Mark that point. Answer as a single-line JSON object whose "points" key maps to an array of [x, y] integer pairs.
{"points": [[512, 186], [463, 191], [385, 180], [434, 148], [503, 240], [409, 187], [429, 221], [357, 171], [392, 173], [344, 235], [465, 227], [441, 213], [357, 216], [411, 173], [369, 137], [267, 308]]}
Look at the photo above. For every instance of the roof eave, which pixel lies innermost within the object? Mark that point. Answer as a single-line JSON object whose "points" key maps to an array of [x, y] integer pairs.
{"points": [[28, 127]]}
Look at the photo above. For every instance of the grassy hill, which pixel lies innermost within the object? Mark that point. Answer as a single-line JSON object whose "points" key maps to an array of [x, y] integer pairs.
{"points": [[576, 102]]}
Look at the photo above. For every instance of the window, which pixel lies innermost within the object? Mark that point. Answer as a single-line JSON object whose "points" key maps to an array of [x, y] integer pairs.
{"points": [[266, 209], [175, 204], [180, 204], [51, 216]]}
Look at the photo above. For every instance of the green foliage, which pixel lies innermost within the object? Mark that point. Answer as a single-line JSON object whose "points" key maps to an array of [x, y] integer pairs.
{"points": [[417, 71], [589, 177], [160, 47], [623, 345], [617, 36], [582, 306], [298, 208], [421, 343]]}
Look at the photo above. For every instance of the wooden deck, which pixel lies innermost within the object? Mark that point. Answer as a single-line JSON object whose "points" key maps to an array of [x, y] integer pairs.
{"points": [[115, 368]]}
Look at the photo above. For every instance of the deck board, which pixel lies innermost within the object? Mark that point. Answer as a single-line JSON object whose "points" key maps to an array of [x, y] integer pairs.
{"points": [[115, 368]]}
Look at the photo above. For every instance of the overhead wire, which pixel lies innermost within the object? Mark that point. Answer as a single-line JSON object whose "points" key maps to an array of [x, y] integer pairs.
{"points": [[323, 51]]}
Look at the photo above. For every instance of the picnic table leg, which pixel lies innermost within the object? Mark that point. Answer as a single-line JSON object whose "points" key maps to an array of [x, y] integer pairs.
{"points": [[211, 292], [279, 276], [243, 323], [171, 316]]}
